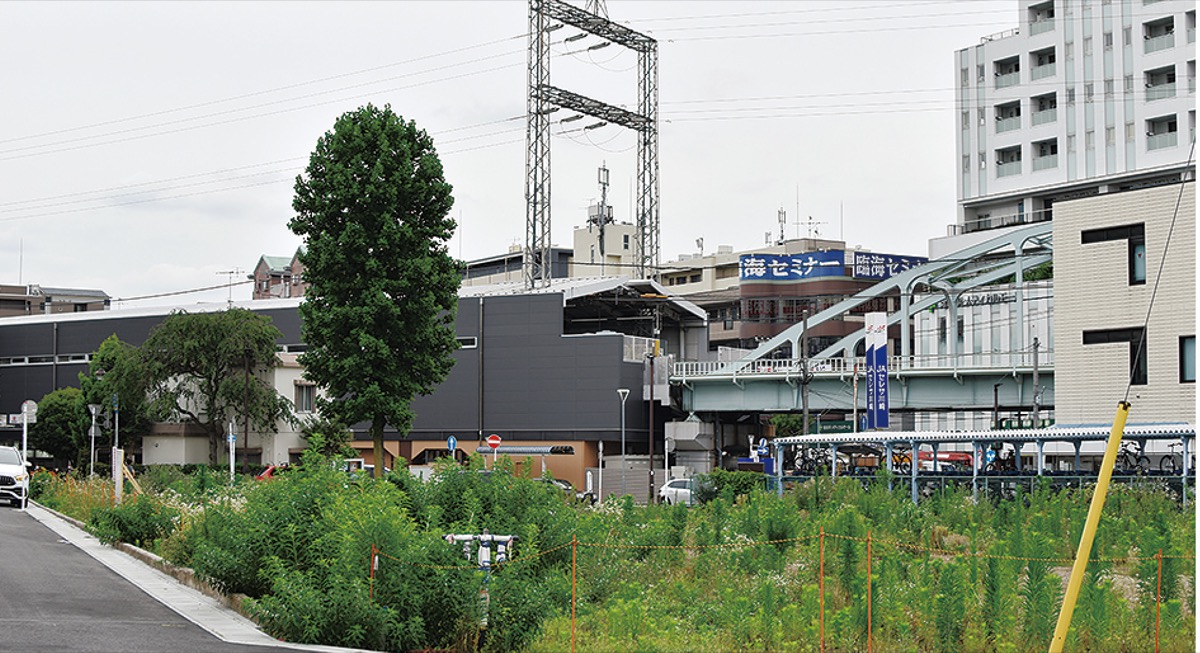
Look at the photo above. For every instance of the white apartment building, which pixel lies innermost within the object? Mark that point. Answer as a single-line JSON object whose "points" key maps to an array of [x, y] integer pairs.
{"points": [[1083, 97]]}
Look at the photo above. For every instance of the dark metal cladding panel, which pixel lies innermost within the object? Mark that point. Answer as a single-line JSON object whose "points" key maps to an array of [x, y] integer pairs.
{"points": [[537, 384]]}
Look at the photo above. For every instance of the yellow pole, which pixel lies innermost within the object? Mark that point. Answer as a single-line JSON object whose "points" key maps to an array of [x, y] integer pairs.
{"points": [[1089, 529]]}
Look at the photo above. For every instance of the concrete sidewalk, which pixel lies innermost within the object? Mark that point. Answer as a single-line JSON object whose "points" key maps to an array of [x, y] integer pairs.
{"points": [[205, 611]]}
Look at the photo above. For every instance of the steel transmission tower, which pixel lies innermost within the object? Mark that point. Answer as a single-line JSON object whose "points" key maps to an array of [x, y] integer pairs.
{"points": [[543, 99]]}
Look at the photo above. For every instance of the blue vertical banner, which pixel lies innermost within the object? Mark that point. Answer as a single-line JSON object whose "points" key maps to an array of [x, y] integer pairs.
{"points": [[877, 371]]}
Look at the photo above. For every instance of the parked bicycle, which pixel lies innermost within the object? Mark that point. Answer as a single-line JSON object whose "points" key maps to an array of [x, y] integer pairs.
{"points": [[1172, 463], [811, 461], [1005, 460], [1130, 459]]}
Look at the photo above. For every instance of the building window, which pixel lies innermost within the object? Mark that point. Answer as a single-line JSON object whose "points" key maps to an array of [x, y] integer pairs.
{"points": [[1110, 136], [1135, 235], [1127, 33], [1089, 92], [966, 119], [1187, 359], [1070, 95], [467, 342], [625, 241], [1136, 337], [1108, 40], [966, 163], [305, 392]]}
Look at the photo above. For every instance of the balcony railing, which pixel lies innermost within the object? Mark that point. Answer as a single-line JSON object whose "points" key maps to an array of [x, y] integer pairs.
{"points": [[1160, 92], [1008, 124], [1041, 26], [1160, 42], [1008, 79], [1008, 169], [1045, 162], [1159, 141], [997, 221], [1044, 116], [1042, 72], [784, 368]]}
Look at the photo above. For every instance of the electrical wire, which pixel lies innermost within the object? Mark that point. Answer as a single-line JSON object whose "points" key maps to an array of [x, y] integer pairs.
{"points": [[263, 92]]}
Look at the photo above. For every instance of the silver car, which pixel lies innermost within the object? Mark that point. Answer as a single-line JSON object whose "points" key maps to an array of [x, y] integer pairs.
{"points": [[14, 476]]}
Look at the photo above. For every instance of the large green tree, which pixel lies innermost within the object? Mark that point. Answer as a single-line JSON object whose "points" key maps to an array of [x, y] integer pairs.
{"points": [[61, 427], [116, 378], [209, 368], [378, 316]]}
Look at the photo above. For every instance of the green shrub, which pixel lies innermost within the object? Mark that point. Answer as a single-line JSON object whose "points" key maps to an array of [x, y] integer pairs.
{"points": [[140, 520]]}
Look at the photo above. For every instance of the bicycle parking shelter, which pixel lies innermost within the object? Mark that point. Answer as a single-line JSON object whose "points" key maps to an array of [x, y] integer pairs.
{"points": [[1073, 437]]}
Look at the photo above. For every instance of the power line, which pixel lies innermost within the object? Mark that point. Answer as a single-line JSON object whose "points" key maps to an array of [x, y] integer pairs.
{"points": [[263, 92]]}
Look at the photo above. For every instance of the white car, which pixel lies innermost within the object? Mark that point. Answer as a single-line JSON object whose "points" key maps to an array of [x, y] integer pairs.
{"points": [[676, 491], [14, 476]]}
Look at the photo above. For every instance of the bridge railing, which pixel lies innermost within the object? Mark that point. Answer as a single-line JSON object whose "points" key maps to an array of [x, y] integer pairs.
{"points": [[842, 366]]}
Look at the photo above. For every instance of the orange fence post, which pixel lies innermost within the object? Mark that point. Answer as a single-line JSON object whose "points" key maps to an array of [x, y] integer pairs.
{"points": [[574, 567], [821, 584], [868, 591], [1158, 602], [371, 576]]}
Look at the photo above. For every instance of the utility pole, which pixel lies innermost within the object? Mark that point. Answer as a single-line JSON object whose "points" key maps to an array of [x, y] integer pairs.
{"points": [[1036, 393], [996, 406], [805, 375]]}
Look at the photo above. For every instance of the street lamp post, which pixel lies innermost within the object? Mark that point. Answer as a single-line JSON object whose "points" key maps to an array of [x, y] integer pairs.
{"points": [[624, 394], [93, 409]]}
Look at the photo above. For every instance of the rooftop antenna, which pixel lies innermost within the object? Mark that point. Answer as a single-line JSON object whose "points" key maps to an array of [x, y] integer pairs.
{"points": [[700, 244], [601, 214], [230, 284], [782, 222], [811, 224]]}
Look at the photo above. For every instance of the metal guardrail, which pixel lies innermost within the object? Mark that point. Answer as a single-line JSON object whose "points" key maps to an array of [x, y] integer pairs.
{"points": [[683, 370]]}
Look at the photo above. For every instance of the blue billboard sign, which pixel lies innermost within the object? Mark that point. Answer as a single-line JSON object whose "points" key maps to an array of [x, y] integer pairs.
{"points": [[883, 266], [791, 267], [877, 371]]}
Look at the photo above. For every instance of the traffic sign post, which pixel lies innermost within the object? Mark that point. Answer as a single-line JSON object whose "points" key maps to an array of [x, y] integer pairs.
{"points": [[493, 441], [232, 446], [452, 444], [28, 414]]}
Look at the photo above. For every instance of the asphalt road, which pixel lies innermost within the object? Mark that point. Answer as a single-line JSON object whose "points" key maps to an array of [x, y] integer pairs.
{"points": [[56, 597]]}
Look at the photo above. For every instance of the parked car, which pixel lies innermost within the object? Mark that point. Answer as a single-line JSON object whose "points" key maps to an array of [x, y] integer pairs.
{"points": [[272, 471], [14, 475], [569, 490], [676, 491]]}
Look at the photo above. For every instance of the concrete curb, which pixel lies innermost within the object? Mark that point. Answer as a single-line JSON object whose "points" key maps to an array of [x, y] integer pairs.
{"points": [[184, 575]]}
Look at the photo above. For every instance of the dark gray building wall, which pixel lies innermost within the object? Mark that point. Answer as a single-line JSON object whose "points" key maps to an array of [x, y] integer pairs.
{"points": [[525, 378], [529, 381]]}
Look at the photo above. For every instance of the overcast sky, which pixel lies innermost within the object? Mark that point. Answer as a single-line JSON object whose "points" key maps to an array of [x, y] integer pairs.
{"points": [[150, 148]]}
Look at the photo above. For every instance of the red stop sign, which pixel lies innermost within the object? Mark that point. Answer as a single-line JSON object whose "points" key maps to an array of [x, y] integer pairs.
{"points": [[493, 441]]}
